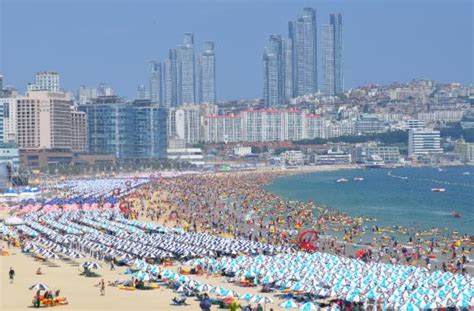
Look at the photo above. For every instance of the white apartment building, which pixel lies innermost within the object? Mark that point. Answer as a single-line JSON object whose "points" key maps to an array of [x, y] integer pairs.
{"points": [[424, 142], [445, 116], [223, 128], [315, 126], [78, 131], [273, 124], [9, 119], [45, 81]]}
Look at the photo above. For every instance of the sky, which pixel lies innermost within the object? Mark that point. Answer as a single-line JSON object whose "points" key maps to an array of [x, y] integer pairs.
{"points": [[110, 41]]}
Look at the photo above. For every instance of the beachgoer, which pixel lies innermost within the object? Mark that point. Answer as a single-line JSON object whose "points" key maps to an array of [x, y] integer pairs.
{"points": [[11, 275], [112, 266], [38, 272], [102, 287], [37, 299]]}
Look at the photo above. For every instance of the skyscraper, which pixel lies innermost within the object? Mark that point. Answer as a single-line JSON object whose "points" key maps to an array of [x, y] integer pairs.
{"points": [[273, 92], [333, 62], [207, 74], [277, 67], [186, 92], [328, 60], [169, 80], [155, 82], [303, 34], [287, 59]]}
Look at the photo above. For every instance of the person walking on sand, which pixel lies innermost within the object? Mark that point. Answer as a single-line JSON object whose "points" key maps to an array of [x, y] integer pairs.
{"points": [[11, 275], [112, 266], [102, 287]]}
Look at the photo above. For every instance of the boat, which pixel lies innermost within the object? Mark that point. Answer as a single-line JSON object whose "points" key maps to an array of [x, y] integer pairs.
{"points": [[358, 178], [438, 190], [342, 180], [466, 173], [455, 214]]}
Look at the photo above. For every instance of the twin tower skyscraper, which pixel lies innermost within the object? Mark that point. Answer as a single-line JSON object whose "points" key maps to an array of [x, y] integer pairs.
{"points": [[183, 78], [290, 65]]}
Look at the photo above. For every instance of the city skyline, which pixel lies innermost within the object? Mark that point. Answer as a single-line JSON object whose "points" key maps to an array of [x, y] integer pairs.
{"points": [[415, 43]]}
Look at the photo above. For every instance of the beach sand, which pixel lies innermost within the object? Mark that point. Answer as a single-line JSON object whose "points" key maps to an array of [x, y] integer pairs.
{"points": [[81, 292]]}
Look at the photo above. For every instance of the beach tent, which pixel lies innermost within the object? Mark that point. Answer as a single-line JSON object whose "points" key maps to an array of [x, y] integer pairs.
{"points": [[14, 221]]}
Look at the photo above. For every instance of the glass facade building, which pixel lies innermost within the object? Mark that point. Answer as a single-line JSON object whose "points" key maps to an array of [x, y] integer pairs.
{"points": [[207, 74], [303, 34], [155, 82], [186, 92], [128, 130], [333, 56]]}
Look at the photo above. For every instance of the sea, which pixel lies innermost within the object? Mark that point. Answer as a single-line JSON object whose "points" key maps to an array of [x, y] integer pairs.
{"points": [[394, 197]]}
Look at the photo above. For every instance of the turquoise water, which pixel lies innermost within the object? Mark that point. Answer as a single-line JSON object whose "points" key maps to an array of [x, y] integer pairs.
{"points": [[391, 199]]}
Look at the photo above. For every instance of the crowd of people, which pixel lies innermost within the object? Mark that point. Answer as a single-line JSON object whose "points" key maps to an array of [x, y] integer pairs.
{"points": [[237, 205]]}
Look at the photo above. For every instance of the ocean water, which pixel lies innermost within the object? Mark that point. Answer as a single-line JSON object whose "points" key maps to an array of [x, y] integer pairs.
{"points": [[399, 196]]}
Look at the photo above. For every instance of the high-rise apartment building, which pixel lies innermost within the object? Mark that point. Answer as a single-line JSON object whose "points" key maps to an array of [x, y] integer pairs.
{"points": [[186, 79], [44, 120], [333, 75], [186, 93], [277, 71], [185, 123], [78, 131], [223, 129], [155, 83], [303, 33], [45, 81], [9, 117], [170, 87], [207, 74]]}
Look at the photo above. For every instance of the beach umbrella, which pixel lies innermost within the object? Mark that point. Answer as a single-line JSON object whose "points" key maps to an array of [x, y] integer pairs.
{"points": [[93, 265], [39, 286], [222, 291], [289, 304], [246, 297], [309, 306], [255, 298], [204, 288], [264, 300], [409, 307]]}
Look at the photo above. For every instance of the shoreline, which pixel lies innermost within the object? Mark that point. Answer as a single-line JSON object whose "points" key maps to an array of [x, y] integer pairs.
{"points": [[354, 167]]}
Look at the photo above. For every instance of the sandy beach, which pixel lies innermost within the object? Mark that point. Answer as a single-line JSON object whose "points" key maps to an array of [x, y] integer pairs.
{"points": [[222, 204], [82, 293]]}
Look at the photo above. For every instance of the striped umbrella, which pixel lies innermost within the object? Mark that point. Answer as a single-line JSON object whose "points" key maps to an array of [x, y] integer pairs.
{"points": [[289, 304], [39, 286]]}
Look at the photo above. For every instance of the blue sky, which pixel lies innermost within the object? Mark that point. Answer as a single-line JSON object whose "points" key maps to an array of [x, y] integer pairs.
{"points": [[89, 42]]}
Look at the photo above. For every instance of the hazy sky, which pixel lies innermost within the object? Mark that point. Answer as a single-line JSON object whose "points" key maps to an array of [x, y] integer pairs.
{"points": [[89, 42]]}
